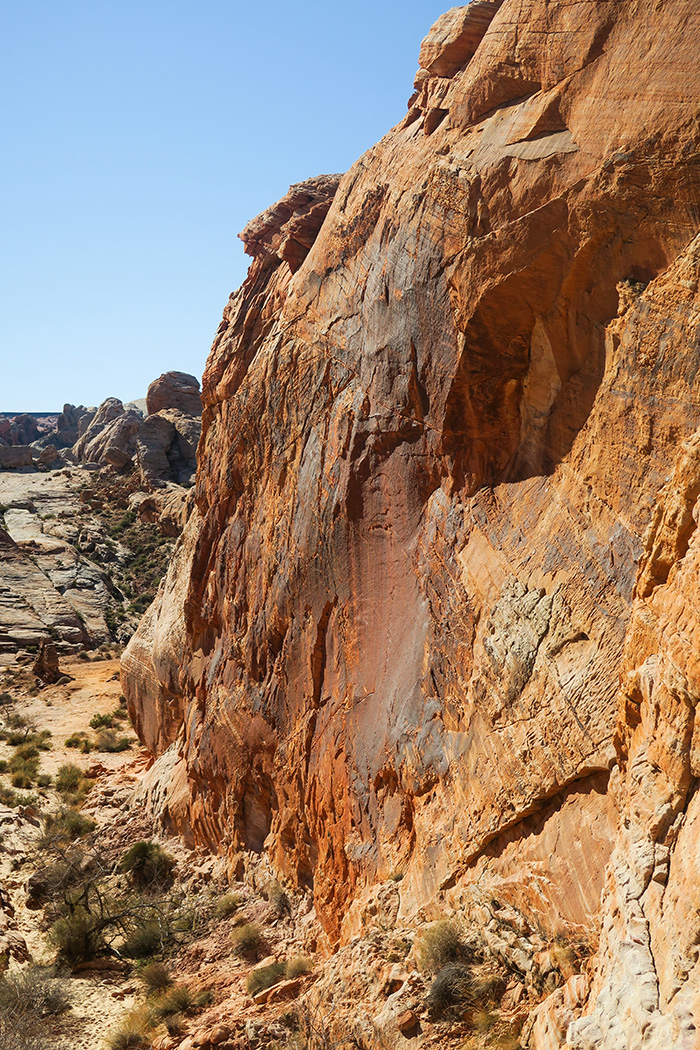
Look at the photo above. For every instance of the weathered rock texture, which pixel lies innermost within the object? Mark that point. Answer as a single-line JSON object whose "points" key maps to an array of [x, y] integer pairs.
{"points": [[430, 471]]}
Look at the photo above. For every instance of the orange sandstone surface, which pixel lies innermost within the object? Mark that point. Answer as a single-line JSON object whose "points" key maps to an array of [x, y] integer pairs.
{"points": [[434, 612]]}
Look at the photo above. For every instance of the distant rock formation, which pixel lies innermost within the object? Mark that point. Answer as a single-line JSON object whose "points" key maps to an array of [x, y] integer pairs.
{"points": [[163, 444]]}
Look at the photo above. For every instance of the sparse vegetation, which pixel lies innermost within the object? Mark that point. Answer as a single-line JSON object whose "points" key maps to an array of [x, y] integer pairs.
{"points": [[155, 977], [439, 945], [278, 899], [452, 987], [65, 826], [147, 864], [228, 905], [246, 940], [71, 783], [298, 966], [107, 740], [264, 977], [35, 991], [143, 941]]}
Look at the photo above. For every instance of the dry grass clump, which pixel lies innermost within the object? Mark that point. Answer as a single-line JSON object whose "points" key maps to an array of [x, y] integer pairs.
{"points": [[278, 899], [439, 945], [298, 966], [452, 987], [71, 783], [35, 991], [133, 1031], [156, 977], [264, 977], [228, 905], [246, 940]]}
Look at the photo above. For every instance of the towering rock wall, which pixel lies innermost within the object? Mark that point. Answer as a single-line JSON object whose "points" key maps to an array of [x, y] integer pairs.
{"points": [[437, 451]]}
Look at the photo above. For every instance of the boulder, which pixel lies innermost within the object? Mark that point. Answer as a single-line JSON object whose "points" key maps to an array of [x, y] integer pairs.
{"points": [[13, 456], [46, 664], [174, 390]]}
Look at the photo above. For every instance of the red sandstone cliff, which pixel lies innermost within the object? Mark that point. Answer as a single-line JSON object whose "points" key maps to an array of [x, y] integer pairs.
{"points": [[445, 499]]}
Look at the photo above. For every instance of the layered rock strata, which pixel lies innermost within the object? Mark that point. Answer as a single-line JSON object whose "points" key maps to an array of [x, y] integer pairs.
{"points": [[429, 473]]}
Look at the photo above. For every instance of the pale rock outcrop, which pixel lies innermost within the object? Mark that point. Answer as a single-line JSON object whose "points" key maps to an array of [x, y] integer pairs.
{"points": [[431, 452], [110, 437], [166, 447]]}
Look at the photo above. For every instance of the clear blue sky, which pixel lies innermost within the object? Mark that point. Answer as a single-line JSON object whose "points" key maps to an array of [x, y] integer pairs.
{"points": [[138, 138]]}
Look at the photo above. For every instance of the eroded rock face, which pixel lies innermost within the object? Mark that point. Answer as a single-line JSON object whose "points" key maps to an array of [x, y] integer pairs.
{"points": [[431, 452]]}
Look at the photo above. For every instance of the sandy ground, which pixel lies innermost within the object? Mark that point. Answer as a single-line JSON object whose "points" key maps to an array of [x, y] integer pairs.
{"points": [[99, 998]]}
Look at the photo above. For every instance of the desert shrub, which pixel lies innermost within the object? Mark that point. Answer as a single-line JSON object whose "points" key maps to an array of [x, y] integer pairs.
{"points": [[228, 905], [69, 778], [24, 752], [44, 780], [488, 987], [20, 780], [34, 991], [65, 826], [156, 977], [101, 722], [77, 936], [178, 1000], [16, 1037], [147, 863], [174, 1024], [439, 945], [298, 966], [143, 941], [133, 1032], [8, 797], [246, 940], [75, 740], [451, 987], [278, 899], [107, 740], [264, 977], [4, 765]]}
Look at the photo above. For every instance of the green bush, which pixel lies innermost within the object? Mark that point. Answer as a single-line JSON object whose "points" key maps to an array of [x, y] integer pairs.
{"points": [[66, 826], [246, 940], [71, 783], [264, 977], [440, 944], [69, 778], [101, 722], [76, 740], [147, 863], [144, 941], [77, 936]]}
